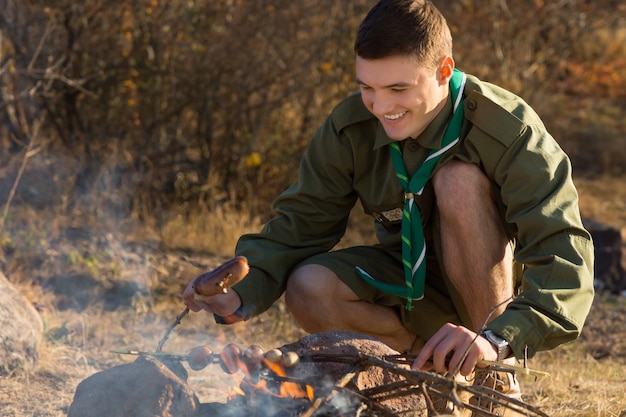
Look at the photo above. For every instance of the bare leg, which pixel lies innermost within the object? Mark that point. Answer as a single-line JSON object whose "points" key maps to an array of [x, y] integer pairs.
{"points": [[320, 302], [477, 255]]}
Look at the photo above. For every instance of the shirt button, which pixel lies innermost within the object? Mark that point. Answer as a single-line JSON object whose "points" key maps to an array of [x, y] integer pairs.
{"points": [[471, 105]]}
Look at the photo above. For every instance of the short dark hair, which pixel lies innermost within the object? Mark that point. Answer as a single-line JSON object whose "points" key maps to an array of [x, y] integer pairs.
{"points": [[404, 27]]}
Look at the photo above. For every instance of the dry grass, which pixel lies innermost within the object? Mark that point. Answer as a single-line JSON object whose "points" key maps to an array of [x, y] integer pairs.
{"points": [[587, 377], [210, 231], [579, 385]]}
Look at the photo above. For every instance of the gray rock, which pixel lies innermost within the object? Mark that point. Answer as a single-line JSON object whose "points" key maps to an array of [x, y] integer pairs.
{"points": [[22, 330], [144, 388]]}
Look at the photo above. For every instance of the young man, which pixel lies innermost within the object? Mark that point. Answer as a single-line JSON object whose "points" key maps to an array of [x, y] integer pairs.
{"points": [[483, 192]]}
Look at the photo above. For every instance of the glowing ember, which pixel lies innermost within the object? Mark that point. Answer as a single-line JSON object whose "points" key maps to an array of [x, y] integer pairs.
{"points": [[287, 388], [259, 375]]}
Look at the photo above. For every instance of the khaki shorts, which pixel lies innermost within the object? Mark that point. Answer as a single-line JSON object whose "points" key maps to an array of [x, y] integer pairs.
{"points": [[427, 315]]}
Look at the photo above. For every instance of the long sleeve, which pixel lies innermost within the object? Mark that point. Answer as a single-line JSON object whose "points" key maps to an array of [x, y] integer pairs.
{"points": [[552, 245], [311, 217], [533, 181]]}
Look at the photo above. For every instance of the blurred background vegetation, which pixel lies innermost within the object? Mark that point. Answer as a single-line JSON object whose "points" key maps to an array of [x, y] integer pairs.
{"points": [[159, 112], [139, 136]]}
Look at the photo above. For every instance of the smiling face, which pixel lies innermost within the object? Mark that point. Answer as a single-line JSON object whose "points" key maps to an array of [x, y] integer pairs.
{"points": [[404, 95]]}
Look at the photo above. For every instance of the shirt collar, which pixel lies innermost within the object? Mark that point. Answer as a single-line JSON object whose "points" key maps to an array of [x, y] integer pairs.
{"points": [[430, 138]]}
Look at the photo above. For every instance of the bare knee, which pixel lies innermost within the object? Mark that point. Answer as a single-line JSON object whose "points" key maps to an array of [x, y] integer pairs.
{"points": [[460, 186], [298, 286], [307, 286]]}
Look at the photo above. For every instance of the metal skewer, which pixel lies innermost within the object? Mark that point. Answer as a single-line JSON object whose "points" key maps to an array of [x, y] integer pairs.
{"points": [[169, 329], [177, 356]]}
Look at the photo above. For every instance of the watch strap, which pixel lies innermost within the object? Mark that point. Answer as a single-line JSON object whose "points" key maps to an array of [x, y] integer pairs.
{"points": [[500, 343]]}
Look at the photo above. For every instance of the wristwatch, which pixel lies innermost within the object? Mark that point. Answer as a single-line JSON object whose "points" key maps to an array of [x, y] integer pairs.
{"points": [[501, 345]]}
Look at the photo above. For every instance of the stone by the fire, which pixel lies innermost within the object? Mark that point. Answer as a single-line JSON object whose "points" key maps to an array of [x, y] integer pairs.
{"points": [[144, 388], [22, 330]]}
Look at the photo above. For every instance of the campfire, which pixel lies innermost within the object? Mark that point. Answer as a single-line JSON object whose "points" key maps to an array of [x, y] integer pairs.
{"points": [[327, 374]]}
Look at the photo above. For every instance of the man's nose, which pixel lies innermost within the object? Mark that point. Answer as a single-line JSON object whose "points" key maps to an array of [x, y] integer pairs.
{"points": [[381, 104]]}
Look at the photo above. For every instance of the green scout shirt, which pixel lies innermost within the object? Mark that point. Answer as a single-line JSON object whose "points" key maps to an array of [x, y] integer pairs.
{"points": [[346, 161]]}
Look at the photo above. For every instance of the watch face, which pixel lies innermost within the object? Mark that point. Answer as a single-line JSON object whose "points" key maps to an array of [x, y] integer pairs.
{"points": [[499, 340], [494, 338], [500, 343]]}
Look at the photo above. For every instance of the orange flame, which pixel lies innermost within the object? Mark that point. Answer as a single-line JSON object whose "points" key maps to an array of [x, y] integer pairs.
{"points": [[286, 389], [289, 389]]}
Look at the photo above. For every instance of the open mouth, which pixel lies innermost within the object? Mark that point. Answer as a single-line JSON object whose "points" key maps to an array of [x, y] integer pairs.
{"points": [[395, 116]]}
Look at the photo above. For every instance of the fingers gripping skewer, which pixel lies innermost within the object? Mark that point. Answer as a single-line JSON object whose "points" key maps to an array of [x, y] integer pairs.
{"points": [[209, 284]]}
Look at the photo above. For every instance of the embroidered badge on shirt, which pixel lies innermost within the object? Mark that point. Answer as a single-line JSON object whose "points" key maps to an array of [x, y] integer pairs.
{"points": [[394, 215]]}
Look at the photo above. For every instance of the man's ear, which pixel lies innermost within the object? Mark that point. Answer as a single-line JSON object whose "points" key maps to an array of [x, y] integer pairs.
{"points": [[446, 67]]}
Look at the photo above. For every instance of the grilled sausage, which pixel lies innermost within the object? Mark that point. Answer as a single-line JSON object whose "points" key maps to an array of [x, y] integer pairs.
{"points": [[221, 278], [253, 358], [200, 357], [230, 358]]}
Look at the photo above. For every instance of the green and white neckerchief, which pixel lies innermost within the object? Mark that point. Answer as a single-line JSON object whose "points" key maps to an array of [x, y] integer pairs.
{"points": [[413, 244]]}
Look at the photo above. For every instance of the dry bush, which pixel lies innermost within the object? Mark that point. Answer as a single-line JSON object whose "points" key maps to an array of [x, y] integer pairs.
{"points": [[150, 92], [146, 103]]}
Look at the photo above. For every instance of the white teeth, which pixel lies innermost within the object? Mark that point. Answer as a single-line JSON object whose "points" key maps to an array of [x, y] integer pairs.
{"points": [[394, 116]]}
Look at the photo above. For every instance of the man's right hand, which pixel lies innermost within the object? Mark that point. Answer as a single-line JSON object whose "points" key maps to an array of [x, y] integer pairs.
{"points": [[211, 292], [222, 304]]}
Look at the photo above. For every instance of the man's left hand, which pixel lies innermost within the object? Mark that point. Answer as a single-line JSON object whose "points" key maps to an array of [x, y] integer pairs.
{"points": [[444, 351]]}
